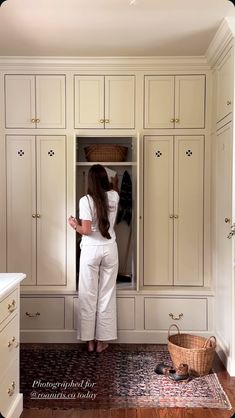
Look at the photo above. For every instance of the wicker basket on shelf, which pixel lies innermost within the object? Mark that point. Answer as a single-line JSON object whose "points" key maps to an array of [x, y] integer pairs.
{"points": [[197, 352], [105, 152]]}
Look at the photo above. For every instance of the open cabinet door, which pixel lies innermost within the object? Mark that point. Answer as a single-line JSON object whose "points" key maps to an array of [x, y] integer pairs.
{"points": [[224, 286]]}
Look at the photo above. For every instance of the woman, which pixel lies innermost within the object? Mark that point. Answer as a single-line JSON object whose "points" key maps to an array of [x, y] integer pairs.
{"points": [[98, 260]]}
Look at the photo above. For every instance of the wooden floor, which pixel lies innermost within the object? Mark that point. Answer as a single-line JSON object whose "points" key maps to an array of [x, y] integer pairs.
{"points": [[226, 381]]}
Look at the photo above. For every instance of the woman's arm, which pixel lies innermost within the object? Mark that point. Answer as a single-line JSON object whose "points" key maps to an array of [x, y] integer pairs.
{"points": [[82, 227]]}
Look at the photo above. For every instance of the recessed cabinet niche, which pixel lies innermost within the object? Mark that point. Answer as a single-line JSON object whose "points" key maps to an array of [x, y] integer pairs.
{"points": [[174, 101], [173, 210], [126, 232], [36, 208], [35, 101], [105, 102]]}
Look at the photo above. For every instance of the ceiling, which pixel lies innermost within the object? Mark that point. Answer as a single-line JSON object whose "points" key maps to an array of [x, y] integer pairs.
{"points": [[96, 28]]}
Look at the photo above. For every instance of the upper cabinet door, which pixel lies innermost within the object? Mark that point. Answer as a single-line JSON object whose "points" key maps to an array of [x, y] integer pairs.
{"points": [[190, 101], [35, 101], [225, 86], [89, 101], [159, 102], [20, 101], [120, 102], [50, 101]]}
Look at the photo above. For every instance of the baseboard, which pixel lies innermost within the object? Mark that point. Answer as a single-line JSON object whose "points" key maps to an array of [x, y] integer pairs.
{"points": [[225, 356], [16, 408], [124, 336]]}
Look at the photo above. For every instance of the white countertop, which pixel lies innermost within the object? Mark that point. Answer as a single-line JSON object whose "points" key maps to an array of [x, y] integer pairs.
{"points": [[8, 281]]}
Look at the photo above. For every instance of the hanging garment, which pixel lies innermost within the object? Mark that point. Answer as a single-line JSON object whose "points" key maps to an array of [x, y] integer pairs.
{"points": [[125, 203]]}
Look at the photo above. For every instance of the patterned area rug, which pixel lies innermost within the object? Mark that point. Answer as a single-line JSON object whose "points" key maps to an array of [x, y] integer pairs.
{"points": [[65, 376]]}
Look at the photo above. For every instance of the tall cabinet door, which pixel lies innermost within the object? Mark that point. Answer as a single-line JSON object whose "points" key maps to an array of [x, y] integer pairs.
{"points": [[224, 246], [20, 101], [120, 102], [188, 210], [158, 210], [190, 101], [50, 101], [21, 206], [159, 102], [51, 210], [89, 101]]}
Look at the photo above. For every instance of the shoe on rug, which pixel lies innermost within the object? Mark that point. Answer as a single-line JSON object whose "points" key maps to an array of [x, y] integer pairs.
{"points": [[181, 374], [162, 368]]}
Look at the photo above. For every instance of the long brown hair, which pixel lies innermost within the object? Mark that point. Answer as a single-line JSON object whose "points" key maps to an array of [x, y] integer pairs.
{"points": [[98, 185]]}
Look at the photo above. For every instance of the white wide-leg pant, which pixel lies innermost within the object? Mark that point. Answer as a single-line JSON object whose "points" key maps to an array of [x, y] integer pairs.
{"points": [[97, 317]]}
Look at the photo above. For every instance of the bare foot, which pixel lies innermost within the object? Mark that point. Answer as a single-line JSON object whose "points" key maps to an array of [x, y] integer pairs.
{"points": [[90, 346], [101, 346]]}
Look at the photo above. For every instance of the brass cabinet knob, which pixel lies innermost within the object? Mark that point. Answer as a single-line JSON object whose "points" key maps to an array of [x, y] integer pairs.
{"points": [[11, 390], [176, 216], [33, 120], [172, 120], [33, 216], [229, 102], [38, 216], [107, 121], [13, 342], [227, 220], [37, 120], [101, 120], [171, 216], [32, 315], [11, 306], [177, 120]]}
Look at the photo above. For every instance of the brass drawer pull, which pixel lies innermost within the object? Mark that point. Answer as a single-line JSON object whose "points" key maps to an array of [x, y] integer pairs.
{"points": [[33, 315], [13, 342], [12, 306], [101, 120], [176, 318], [11, 390], [33, 120], [37, 120], [229, 102], [172, 120], [177, 120], [107, 121]]}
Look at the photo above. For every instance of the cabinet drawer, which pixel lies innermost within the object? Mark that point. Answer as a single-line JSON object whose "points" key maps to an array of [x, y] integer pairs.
{"points": [[42, 313], [189, 314], [125, 313], [9, 343], [9, 388], [9, 306]]}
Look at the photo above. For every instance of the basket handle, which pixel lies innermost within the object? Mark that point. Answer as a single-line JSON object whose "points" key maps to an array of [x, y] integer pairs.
{"points": [[209, 342], [173, 325]]}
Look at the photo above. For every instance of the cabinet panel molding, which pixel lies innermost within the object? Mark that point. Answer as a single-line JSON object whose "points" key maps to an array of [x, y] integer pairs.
{"points": [[19, 101]]}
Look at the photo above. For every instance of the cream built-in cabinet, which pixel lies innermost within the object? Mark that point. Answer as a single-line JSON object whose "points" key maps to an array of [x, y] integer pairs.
{"points": [[173, 210], [46, 174], [104, 102], [36, 208], [174, 101], [35, 101]]}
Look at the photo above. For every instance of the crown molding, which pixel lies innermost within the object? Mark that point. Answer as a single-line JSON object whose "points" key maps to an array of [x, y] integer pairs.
{"points": [[183, 63], [223, 37]]}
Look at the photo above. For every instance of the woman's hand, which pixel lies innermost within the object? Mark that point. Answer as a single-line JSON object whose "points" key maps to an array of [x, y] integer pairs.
{"points": [[115, 183], [73, 222]]}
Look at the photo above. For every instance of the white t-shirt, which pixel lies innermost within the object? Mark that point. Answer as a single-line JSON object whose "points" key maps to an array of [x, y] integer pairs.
{"points": [[87, 212]]}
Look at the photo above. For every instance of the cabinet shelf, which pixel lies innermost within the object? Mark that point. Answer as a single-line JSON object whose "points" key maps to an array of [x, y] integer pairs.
{"points": [[121, 164]]}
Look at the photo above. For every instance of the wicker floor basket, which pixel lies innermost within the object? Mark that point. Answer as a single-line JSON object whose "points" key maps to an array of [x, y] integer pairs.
{"points": [[197, 352], [106, 152]]}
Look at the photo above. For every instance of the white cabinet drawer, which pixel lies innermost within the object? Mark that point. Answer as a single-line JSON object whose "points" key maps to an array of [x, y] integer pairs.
{"points": [[42, 313], [189, 314], [9, 306], [125, 313], [9, 343], [9, 388]]}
